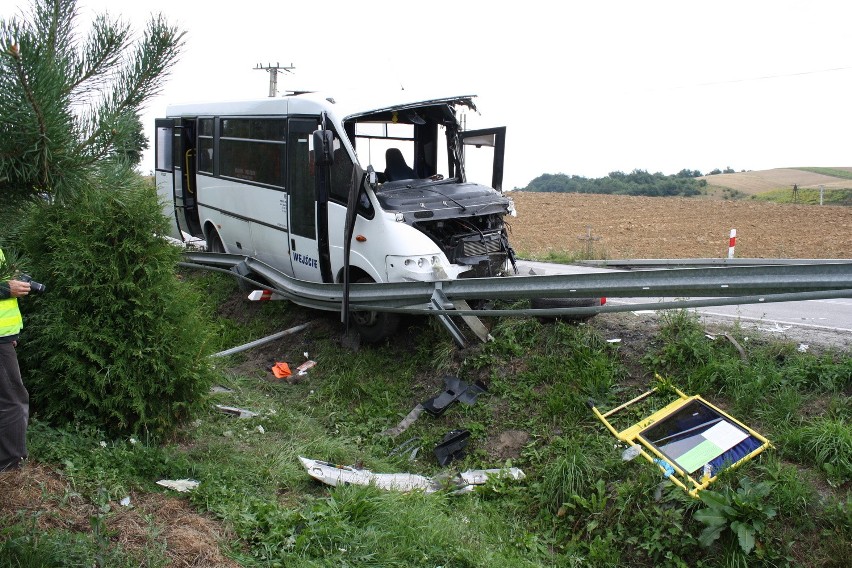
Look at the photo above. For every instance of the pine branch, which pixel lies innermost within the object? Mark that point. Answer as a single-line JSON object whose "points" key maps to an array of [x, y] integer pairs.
{"points": [[141, 79], [102, 52], [18, 67]]}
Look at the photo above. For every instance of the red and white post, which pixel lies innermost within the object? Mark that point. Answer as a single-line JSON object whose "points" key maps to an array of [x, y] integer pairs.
{"points": [[732, 242]]}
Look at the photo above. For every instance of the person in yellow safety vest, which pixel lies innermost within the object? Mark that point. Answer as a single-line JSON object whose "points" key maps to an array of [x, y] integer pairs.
{"points": [[14, 398]]}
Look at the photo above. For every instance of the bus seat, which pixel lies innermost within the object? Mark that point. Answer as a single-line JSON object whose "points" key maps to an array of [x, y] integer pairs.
{"points": [[395, 166]]}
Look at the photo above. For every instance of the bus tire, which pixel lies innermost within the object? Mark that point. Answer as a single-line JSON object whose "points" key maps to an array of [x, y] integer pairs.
{"points": [[556, 303], [214, 242], [374, 327]]}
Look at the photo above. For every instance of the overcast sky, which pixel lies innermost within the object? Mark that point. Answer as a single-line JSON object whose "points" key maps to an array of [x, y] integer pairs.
{"points": [[584, 88]]}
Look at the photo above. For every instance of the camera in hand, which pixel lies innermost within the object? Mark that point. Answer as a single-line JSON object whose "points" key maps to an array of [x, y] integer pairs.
{"points": [[34, 286]]}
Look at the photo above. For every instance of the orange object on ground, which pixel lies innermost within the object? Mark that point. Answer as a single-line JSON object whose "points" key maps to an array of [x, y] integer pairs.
{"points": [[281, 370]]}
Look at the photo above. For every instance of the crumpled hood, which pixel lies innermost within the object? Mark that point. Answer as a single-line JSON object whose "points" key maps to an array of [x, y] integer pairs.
{"points": [[443, 199]]}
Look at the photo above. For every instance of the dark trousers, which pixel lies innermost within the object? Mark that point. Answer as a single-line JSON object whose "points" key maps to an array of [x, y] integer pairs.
{"points": [[14, 409]]}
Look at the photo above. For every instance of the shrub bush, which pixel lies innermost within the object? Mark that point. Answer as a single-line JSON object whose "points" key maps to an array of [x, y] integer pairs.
{"points": [[116, 340]]}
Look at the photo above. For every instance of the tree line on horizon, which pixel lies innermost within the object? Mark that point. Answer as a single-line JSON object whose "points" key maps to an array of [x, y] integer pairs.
{"points": [[638, 182]]}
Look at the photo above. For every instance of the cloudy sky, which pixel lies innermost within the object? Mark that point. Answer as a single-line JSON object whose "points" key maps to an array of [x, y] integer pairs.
{"points": [[583, 87]]}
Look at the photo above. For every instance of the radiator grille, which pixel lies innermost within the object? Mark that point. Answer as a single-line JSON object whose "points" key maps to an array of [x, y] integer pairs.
{"points": [[479, 248]]}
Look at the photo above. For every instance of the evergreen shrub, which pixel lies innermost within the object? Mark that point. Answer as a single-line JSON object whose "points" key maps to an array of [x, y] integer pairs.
{"points": [[116, 341]]}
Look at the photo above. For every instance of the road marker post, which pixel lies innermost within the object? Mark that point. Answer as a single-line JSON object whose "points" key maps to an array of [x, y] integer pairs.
{"points": [[732, 241]]}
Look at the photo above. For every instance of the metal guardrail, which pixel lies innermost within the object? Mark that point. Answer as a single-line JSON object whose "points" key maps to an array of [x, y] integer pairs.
{"points": [[728, 285], [644, 263], [709, 286]]}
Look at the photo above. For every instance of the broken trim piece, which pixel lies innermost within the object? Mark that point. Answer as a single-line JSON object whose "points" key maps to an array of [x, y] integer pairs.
{"points": [[463, 482]]}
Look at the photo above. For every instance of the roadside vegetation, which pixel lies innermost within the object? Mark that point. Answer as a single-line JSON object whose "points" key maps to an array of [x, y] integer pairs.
{"points": [[637, 182], [580, 504], [686, 184], [807, 196]]}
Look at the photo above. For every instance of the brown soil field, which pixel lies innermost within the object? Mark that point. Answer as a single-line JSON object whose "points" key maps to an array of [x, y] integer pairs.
{"points": [[778, 178], [674, 227]]}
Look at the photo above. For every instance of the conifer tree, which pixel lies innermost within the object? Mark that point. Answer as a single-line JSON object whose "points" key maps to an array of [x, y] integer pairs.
{"points": [[117, 340], [69, 102]]}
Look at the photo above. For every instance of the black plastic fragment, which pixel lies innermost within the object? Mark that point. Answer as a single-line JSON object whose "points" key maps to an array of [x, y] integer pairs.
{"points": [[457, 390], [452, 446]]}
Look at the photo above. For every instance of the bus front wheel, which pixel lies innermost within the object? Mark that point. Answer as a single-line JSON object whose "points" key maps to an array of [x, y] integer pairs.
{"points": [[374, 326]]}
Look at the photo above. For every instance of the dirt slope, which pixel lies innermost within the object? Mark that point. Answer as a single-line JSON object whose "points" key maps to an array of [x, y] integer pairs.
{"points": [[658, 227]]}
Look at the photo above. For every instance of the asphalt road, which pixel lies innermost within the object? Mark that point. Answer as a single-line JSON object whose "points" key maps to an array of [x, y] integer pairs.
{"points": [[827, 322]]}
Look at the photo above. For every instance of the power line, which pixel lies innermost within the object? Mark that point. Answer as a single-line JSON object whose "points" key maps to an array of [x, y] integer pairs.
{"points": [[273, 71]]}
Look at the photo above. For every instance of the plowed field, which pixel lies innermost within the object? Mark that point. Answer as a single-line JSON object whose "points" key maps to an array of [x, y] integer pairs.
{"points": [[660, 227]]}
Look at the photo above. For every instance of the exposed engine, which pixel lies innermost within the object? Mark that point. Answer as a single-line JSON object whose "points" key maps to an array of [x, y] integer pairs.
{"points": [[479, 242]]}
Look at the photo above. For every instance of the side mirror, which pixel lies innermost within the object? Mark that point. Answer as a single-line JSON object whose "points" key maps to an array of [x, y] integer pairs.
{"points": [[323, 147]]}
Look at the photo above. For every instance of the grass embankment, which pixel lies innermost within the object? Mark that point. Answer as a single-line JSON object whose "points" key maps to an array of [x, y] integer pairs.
{"points": [[807, 196], [776, 185], [580, 504]]}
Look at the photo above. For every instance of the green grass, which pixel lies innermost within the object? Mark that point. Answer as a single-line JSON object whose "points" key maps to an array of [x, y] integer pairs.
{"points": [[807, 196], [580, 504], [844, 174]]}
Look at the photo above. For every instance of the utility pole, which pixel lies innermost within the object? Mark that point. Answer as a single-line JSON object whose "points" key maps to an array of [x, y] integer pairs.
{"points": [[273, 71]]}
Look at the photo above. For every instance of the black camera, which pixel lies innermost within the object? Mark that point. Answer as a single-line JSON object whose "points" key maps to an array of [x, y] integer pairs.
{"points": [[35, 286]]}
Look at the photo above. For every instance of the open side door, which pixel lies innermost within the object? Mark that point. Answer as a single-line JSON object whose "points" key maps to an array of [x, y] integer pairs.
{"points": [[493, 138], [164, 173], [175, 173]]}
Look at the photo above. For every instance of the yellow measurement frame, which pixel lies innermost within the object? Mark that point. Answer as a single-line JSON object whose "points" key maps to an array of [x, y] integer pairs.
{"points": [[647, 450]]}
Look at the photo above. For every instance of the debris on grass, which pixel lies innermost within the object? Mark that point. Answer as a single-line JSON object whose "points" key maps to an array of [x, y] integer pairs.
{"points": [[456, 390], [238, 412], [410, 446], [777, 328], [452, 446], [281, 370], [181, 485], [463, 482], [409, 419], [303, 368]]}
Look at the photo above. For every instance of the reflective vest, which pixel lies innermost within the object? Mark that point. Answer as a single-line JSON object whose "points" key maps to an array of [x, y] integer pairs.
{"points": [[11, 321]]}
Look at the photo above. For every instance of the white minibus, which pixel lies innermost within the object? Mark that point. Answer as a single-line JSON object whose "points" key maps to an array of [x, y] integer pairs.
{"points": [[337, 188]]}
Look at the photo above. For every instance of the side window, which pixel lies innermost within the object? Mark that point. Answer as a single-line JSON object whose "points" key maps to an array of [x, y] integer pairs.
{"points": [[253, 149], [205, 145], [301, 186], [365, 206], [341, 173], [164, 148], [341, 177]]}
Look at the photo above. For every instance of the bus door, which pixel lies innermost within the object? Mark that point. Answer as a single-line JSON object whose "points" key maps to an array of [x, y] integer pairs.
{"points": [[491, 138], [186, 186], [164, 171], [303, 210], [176, 168]]}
